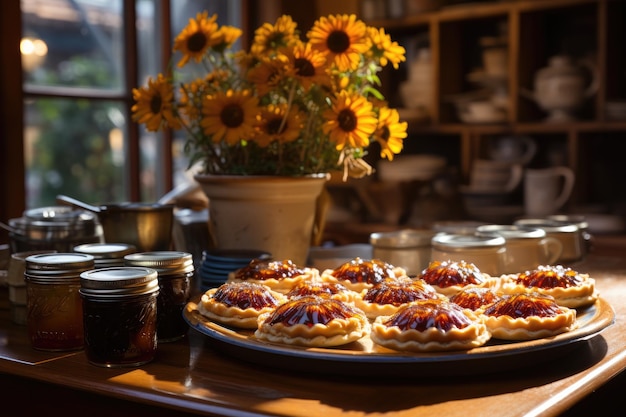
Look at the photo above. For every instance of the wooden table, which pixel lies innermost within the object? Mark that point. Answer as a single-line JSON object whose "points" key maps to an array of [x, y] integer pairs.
{"points": [[189, 377]]}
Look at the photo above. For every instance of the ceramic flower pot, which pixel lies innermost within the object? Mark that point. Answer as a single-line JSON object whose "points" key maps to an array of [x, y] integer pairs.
{"points": [[273, 214]]}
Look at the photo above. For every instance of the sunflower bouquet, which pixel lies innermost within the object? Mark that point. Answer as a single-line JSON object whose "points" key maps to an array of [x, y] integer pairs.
{"points": [[286, 106]]}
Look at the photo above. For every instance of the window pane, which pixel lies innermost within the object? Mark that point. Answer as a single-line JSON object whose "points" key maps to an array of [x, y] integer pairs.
{"points": [[76, 43], [228, 13], [74, 147]]}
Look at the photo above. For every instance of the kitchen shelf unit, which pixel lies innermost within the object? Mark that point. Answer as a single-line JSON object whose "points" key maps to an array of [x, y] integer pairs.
{"points": [[592, 145]]}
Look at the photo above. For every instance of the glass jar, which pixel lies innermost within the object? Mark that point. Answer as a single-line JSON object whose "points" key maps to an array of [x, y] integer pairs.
{"points": [[175, 273], [54, 308], [106, 255], [120, 315]]}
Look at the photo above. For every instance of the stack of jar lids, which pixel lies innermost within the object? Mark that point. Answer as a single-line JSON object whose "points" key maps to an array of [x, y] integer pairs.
{"points": [[106, 254]]}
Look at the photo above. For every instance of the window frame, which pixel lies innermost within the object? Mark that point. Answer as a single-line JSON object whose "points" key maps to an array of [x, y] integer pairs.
{"points": [[13, 94]]}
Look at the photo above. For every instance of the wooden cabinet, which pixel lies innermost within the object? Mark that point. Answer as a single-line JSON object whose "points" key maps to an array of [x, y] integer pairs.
{"points": [[591, 32]]}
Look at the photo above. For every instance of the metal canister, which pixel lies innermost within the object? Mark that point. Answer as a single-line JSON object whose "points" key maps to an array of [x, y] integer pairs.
{"points": [[120, 315], [107, 255], [488, 253], [54, 308], [408, 249], [175, 273]]}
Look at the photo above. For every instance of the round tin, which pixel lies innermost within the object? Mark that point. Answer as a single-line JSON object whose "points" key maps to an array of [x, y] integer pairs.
{"points": [[486, 252], [106, 254]]}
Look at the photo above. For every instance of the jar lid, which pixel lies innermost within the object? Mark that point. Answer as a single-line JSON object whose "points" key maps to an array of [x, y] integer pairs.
{"points": [[550, 226], [59, 261], [166, 262], [118, 281], [509, 231], [458, 241], [402, 239], [101, 251], [53, 268]]}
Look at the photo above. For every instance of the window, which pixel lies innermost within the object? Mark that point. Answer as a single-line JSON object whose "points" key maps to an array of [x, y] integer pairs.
{"points": [[79, 67]]}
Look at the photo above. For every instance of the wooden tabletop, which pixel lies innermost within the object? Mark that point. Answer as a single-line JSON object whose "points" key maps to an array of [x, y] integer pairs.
{"points": [[189, 376]]}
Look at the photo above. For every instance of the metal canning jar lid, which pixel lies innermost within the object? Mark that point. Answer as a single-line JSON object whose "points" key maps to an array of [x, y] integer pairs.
{"points": [[164, 262], [550, 226], [402, 239], [511, 231], [106, 250], [53, 268], [118, 282], [462, 242]]}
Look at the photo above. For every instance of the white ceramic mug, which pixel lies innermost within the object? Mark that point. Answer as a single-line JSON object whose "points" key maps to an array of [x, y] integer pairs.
{"points": [[547, 190], [568, 234], [526, 248]]}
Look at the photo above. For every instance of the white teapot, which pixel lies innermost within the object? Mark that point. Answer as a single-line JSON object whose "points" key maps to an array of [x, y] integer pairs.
{"points": [[561, 88]]}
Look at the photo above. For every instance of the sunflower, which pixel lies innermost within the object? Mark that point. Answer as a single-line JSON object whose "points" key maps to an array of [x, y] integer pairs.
{"points": [[270, 38], [307, 65], [342, 37], [276, 125], [226, 36], [390, 132], [267, 74], [154, 105], [229, 116], [199, 35], [350, 121], [384, 49]]}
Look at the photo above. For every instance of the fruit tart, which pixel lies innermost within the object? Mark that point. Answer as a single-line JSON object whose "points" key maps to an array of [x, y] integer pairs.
{"points": [[527, 316], [450, 277], [280, 276], [430, 326], [568, 287], [323, 288], [475, 298], [238, 304], [359, 274], [386, 297], [313, 321]]}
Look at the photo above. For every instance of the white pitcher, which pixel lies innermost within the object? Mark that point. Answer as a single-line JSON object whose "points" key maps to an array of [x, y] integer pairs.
{"points": [[547, 190]]}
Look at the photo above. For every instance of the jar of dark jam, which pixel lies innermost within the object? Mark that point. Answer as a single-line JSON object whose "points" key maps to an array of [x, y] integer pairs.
{"points": [[54, 307], [120, 315], [106, 255], [175, 273]]}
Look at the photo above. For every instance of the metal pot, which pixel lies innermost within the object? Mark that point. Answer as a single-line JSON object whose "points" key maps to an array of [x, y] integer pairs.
{"points": [[147, 226]]}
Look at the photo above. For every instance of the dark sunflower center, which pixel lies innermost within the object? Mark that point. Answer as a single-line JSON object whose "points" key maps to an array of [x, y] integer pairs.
{"points": [[275, 40], [304, 68], [232, 116], [155, 104], [338, 41], [385, 133], [274, 126], [347, 120], [196, 42]]}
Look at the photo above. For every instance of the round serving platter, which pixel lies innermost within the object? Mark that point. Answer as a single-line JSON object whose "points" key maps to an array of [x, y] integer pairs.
{"points": [[363, 357]]}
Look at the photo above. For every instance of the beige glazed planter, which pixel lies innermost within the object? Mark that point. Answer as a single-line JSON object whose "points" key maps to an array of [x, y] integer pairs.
{"points": [[274, 214]]}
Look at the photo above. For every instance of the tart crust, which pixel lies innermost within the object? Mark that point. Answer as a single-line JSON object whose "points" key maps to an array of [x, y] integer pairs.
{"points": [[385, 298], [433, 338], [221, 304], [313, 321], [280, 276], [524, 322], [568, 287], [360, 274], [450, 277]]}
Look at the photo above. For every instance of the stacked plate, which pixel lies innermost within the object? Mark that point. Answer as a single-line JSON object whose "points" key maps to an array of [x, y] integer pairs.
{"points": [[218, 263]]}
